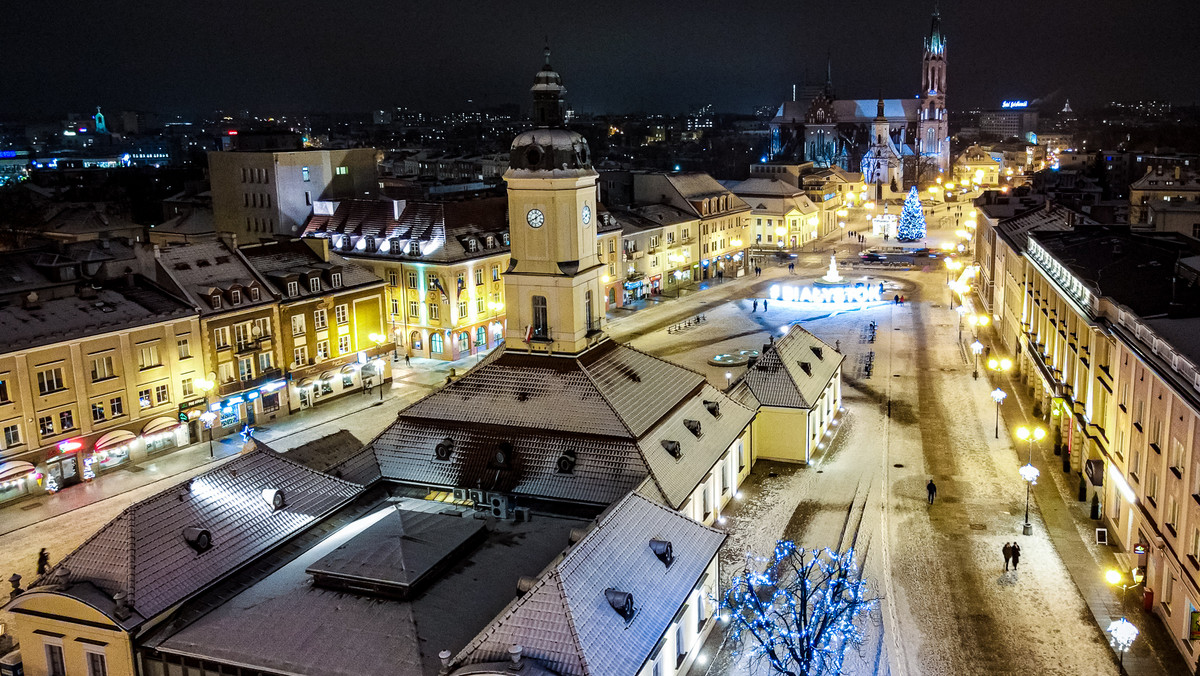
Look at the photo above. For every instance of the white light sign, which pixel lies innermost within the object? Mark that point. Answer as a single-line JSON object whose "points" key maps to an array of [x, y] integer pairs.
{"points": [[1014, 104], [825, 294]]}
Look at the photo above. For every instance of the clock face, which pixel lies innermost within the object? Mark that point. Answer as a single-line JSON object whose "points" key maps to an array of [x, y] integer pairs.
{"points": [[535, 218], [587, 214]]}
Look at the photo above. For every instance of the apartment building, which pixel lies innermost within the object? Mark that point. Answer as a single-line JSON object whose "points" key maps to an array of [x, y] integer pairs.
{"points": [[258, 195], [92, 366], [335, 337], [660, 250], [781, 214], [724, 233]]}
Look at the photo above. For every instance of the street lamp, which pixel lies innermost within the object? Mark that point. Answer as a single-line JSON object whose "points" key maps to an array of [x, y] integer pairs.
{"points": [[1028, 472], [962, 311], [1122, 631], [976, 348], [207, 419], [728, 379], [998, 396]]}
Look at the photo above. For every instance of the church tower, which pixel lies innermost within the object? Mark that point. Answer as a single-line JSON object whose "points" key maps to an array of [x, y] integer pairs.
{"points": [[933, 134], [553, 291]]}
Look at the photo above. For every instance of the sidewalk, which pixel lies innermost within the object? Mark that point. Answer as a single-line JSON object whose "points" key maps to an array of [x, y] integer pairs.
{"points": [[1068, 522], [408, 384]]}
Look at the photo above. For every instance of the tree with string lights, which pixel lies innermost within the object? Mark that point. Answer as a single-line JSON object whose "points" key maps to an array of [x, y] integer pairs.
{"points": [[798, 612], [912, 219]]}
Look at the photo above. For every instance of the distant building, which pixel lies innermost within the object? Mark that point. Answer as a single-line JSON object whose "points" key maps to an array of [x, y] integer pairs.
{"points": [[1176, 184], [258, 195]]}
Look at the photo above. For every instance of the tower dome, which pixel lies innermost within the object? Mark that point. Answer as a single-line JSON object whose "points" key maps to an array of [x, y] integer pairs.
{"points": [[549, 147]]}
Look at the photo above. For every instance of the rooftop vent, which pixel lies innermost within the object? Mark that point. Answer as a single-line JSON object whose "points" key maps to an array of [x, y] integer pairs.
{"points": [[121, 602], [444, 448], [693, 427], [714, 408], [662, 549], [182, 266], [504, 453], [806, 367], [818, 351], [203, 263], [198, 539], [622, 602], [274, 498], [524, 584], [576, 535], [566, 462], [672, 448]]}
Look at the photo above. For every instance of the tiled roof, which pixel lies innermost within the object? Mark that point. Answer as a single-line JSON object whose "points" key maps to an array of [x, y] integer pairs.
{"points": [[294, 256], [780, 378], [565, 622], [200, 266], [639, 387], [605, 467], [1049, 217], [340, 454], [143, 553]]}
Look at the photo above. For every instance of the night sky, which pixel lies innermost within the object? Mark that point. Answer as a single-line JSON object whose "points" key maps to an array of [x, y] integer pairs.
{"points": [[614, 55]]}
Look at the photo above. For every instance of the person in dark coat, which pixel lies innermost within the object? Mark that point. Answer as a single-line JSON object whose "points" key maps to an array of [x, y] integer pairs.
{"points": [[764, 305], [931, 489], [43, 561], [1008, 552], [755, 306], [1016, 554]]}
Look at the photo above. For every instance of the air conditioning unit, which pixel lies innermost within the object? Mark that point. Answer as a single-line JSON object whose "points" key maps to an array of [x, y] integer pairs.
{"points": [[499, 505], [461, 495], [478, 497]]}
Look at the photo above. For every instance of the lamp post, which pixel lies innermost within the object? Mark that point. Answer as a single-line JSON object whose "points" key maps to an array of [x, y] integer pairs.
{"points": [[998, 396], [379, 339], [207, 419], [204, 386], [1028, 472], [976, 348], [1122, 631], [962, 311], [728, 379]]}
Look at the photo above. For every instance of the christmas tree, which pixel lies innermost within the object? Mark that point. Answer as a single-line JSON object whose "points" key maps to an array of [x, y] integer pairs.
{"points": [[912, 219]]}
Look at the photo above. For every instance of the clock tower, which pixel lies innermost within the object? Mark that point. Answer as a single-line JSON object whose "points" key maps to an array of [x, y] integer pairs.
{"points": [[553, 292]]}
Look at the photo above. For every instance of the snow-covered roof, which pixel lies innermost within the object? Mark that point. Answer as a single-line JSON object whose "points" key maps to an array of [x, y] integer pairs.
{"points": [[565, 622], [792, 372]]}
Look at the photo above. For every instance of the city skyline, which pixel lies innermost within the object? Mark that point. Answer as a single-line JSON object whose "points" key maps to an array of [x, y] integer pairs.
{"points": [[628, 57]]}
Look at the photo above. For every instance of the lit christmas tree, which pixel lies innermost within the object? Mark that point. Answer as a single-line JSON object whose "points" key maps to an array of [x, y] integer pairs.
{"points": [[798, 612], [912, 219]]}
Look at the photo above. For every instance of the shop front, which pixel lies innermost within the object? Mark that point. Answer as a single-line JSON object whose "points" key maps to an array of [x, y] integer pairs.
{"points": [[634, 289], [655, 285], [113, 449], [65, 466], [250, 407], [17, 479], [314, 384]]}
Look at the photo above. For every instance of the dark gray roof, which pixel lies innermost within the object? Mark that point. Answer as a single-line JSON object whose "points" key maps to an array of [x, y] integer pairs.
{"points": [[275, 259], [143, 553], [1047, 218], [200, 266], [564, 621], [340, 454], [793, 372]]}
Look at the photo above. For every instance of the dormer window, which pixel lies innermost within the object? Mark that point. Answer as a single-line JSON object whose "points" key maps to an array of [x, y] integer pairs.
{"points": [[215, 301], [370, 242], [235, 297], [414, 248], [314, 284], [254, 293], [472, 245], [491, 242], [504, 238], [293, 289], [335, 279]]}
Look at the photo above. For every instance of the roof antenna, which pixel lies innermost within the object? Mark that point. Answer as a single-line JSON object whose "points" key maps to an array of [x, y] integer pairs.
{"points": [[547, 50]]}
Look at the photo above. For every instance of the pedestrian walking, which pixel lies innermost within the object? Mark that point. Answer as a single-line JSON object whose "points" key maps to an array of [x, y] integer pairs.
{"points": [[1016, 554], [1008, 552], [791, 268], [896, 299], [764, 305], [755, 306], [43, 561], [931, 489], [407, 361]]}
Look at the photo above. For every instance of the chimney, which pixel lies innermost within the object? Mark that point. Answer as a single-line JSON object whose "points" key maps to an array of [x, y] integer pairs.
{"points": [[15, 581], [514, 654], [128, 278], [157, 252], [444, 656]]}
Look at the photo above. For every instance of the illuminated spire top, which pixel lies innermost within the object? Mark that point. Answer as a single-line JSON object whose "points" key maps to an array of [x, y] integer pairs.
{"points": [[935, 44]]}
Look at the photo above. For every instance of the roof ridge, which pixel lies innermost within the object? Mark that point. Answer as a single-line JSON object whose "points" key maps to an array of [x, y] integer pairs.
{"points": [[570, 615]]}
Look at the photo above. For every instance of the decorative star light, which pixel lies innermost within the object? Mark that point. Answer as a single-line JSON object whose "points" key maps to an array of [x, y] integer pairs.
{"points": [[1030, 474], [247, 433], [1123, 632]]}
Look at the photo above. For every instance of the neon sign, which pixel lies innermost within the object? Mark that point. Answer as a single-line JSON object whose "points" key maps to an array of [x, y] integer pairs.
{"points": [[68, 446], [1014, 104], [825, 294]]}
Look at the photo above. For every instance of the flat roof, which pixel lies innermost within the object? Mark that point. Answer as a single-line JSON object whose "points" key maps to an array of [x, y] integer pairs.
{"points": [[285, 624]]}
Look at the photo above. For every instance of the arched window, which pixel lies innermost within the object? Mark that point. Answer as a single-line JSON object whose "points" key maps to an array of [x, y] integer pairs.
{"points": [[435, 343], [415, 340], [541, 328], [464, 342]]}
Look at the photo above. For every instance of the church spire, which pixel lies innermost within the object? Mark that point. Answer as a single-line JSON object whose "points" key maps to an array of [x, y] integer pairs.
{"points": [[548, 95], [935, 44]]}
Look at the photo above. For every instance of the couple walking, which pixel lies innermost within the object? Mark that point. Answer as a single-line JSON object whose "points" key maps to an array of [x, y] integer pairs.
{"points": [[1012, 552]]}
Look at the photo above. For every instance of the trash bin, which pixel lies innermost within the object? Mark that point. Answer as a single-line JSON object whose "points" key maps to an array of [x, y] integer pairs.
{"points": [[1148, 598]]}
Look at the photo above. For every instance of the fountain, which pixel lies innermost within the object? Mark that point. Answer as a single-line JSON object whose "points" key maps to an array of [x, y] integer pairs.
{"points": [[832, 277]]}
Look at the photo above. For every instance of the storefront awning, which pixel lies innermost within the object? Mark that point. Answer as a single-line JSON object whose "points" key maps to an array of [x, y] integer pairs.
{"points": [[159, 425], [327, 377], [307, 382], [349, 369], [14, 469], [115, 438]]}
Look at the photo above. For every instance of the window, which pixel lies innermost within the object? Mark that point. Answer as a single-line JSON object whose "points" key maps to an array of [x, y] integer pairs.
{"points": [[1152, 486], [246, 368], [540, 317], [102, 367], [263, 324], [414, 308], [12, 436], [335, 279], [243, 336], [322, 350], [297, 325], [683, 235], [1168, 589], [314, 285], [264, 362], [343, 344], [612, 243], [435, 311], [148, 357], [347, 380], [66, 420], [462, 309], [433, 281], [235, 297], [653, 241], [46, 425], [392, 277], [480, 305], [670, 238], [435, 342], [4, 391], [98, 411], [161, 394], [1177, 457], [341, 314], [188, 387], [478, 276], [185, 348], [50, 380], [412, 279], [395, 306], [495, 273], [320, 319], [215, 301], [95, 663], [480, 335], [116, 407], [293, 288], [300, 355], [304, 174], [342, 171], [221, 337], [144, 398], [587, 310], [54, 660]]}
